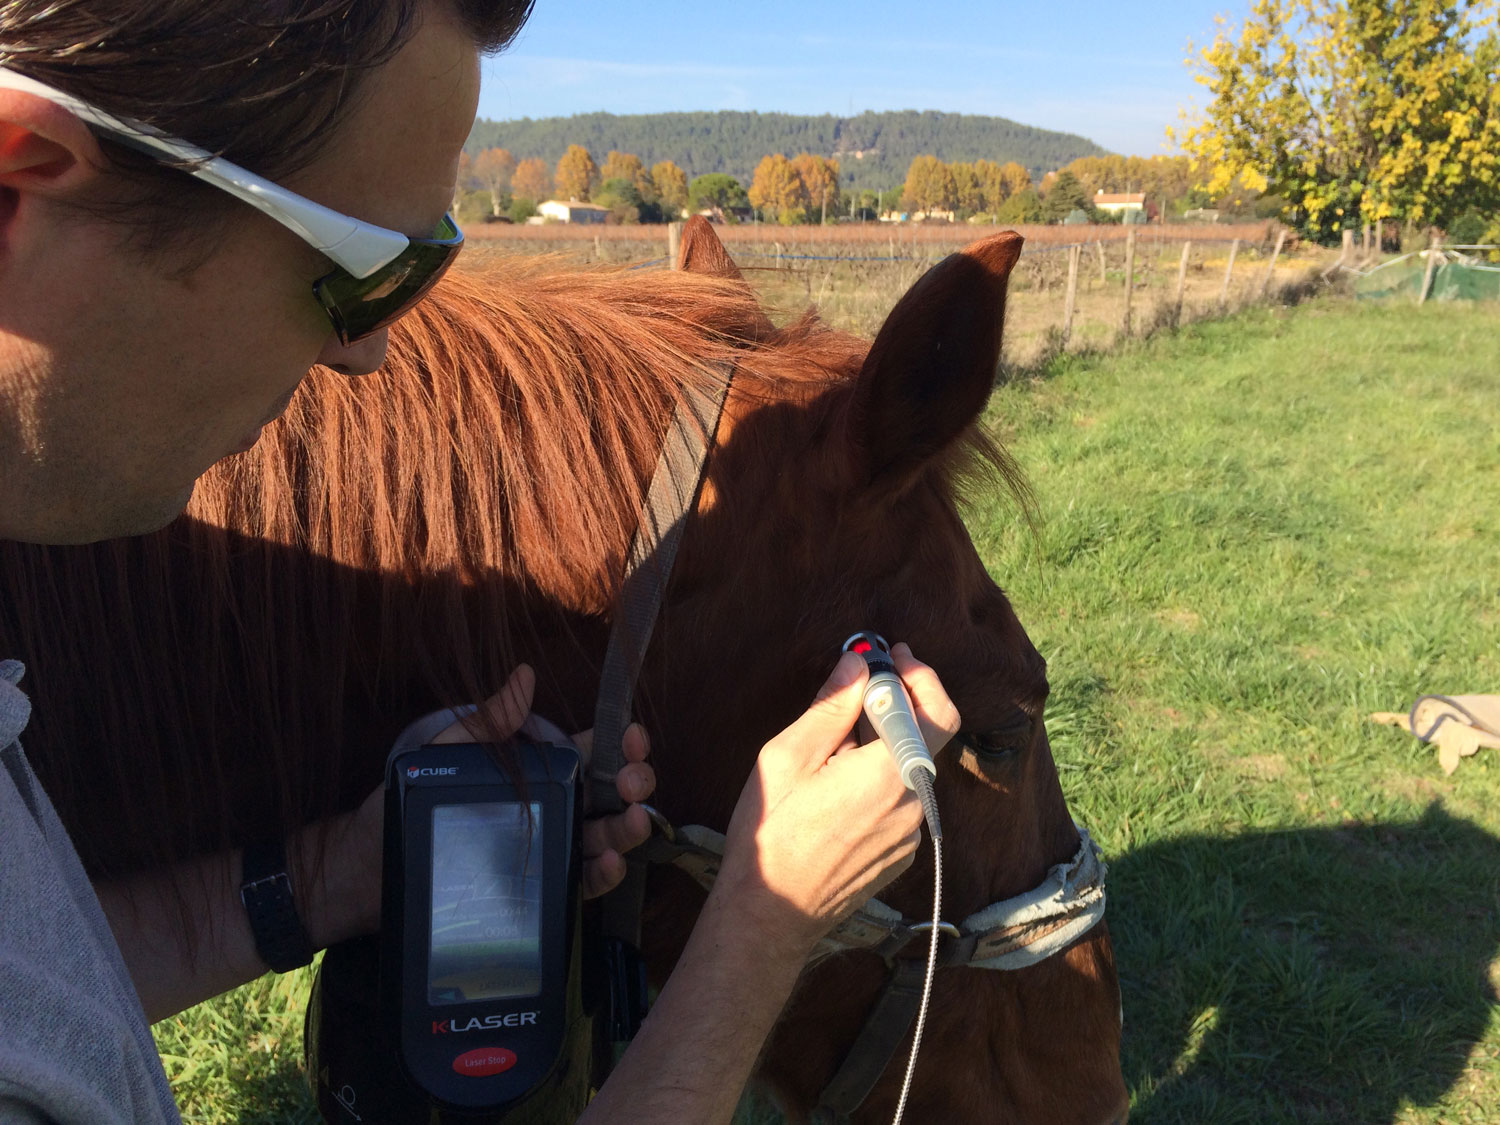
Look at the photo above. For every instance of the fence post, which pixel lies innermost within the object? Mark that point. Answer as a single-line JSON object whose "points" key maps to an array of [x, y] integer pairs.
{"points": [[674, 245], [1075, 256], [1234, 249], [1129, 274], [1365, 249], [1265, 282], [1432, 257], [1346, 255], [1182, 266], [778, 255]]}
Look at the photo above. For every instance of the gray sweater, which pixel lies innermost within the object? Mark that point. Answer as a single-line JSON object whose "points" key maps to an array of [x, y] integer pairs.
{"points": [[74, 1043]]}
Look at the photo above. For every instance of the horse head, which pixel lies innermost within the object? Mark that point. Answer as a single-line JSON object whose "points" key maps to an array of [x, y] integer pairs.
{"points": [[836, 511]]}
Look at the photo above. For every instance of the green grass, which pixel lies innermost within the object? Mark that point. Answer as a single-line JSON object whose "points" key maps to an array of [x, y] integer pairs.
{"points": [[1256, 532]]}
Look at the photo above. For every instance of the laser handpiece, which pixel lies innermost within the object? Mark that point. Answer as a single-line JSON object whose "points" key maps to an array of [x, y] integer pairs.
{"points": [[890, 712], [889, 708]]}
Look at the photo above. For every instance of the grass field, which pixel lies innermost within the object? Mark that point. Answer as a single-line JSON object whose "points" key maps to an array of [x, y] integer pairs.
{"points": [[1256, 532]]}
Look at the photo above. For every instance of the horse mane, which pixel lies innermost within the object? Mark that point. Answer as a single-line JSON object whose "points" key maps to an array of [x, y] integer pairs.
{"points": [[481, 487]]}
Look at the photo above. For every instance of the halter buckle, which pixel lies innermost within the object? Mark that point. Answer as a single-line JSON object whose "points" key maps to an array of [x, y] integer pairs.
{"points": [[661, 823], [948, 929]]}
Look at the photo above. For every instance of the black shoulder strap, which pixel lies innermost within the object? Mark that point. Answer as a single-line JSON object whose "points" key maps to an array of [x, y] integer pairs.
{"points": [[669, 503]]}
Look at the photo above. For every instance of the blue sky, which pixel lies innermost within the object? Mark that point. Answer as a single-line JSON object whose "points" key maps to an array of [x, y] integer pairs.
{"points": [[1110, 72]]}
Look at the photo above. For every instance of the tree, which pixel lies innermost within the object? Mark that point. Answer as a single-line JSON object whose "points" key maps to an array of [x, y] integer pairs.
{"points": [[968, 187], [671, 186], [930, 186], [1013, 179], [777, 190], [1064, 196], [1023, 207], [577, 174], [622, 198], [627, 166], [717, 192], [819, 178], [1353, 111], [493, 169], [532, 180]]}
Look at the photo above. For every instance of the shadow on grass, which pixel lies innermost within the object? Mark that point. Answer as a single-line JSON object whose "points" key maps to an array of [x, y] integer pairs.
{"points": [[1318, 975]]}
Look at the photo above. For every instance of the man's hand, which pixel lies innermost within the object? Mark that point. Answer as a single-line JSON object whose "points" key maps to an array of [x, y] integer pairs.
{"points": [[823, 822], [605, 839], [821, 825]]}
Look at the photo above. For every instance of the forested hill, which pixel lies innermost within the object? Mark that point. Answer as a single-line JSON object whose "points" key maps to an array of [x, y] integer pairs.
{"points": [[874, 149]]}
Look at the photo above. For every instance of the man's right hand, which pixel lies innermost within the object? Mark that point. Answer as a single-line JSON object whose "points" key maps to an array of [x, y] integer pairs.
{"points": [[823, 823]]}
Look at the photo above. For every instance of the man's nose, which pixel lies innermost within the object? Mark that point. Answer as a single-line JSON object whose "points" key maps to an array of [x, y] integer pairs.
{"points": [[359, 358]]}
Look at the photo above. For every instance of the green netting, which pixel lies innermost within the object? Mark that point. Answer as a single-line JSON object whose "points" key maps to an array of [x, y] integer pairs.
{"points": [[1463, 280]]}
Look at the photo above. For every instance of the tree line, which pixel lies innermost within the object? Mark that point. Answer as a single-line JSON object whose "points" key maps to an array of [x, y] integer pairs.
{"points": [[873, 149], [809, 188]]}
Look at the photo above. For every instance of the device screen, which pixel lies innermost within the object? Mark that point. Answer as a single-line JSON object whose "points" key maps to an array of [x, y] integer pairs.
{"points": [[486, 903]]}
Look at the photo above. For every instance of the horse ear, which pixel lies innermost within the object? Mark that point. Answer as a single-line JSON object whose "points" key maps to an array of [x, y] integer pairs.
{"points": [[702, 252], [932, 367]]}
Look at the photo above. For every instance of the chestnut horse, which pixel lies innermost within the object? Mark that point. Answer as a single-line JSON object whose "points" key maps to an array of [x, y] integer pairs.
{"points": [[399, 541]]}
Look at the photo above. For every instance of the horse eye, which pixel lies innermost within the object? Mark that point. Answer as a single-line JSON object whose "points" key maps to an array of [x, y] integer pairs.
{"points": [[1001, 742]]}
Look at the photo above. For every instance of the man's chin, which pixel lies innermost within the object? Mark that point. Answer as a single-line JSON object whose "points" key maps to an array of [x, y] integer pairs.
{"points": [[124, 520]]}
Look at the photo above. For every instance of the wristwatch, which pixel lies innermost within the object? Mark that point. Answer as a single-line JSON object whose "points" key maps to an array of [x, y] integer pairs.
{"points": [[266, 890]]}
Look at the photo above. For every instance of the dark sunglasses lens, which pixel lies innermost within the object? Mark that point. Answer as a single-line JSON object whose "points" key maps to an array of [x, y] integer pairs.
{"points": [[360, 306]]}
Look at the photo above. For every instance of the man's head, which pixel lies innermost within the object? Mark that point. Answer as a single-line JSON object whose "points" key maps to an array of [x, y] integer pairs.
{"points": [[150, 325]]}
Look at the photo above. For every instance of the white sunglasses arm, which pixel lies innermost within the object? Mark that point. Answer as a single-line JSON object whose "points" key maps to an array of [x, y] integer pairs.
{"points": [[359, 247]]}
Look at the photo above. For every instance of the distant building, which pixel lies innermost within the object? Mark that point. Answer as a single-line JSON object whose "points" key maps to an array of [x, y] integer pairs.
{"points": [[1120, 203], [918, 217], [1201, 215], [717, 214], [572, 211]]}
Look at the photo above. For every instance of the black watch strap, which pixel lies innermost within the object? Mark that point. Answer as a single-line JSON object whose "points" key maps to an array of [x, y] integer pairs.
{"points": [[266, 890]]}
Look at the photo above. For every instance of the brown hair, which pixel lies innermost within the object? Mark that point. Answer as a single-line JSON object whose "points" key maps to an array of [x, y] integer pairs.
{"points": [[262, 84]]}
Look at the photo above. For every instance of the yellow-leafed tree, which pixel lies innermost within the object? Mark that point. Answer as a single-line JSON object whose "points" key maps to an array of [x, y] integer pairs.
{"points": [[671, 186], [628, 167], [1352, 111], [1013, 178], [777, 190], [819, 178], [493, 168], [930, 186], [532, 180], [577, 174], [968, 186]]}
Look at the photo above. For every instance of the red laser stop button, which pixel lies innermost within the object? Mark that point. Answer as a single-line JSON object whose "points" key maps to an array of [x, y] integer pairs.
{"points": [[484, 1062]]}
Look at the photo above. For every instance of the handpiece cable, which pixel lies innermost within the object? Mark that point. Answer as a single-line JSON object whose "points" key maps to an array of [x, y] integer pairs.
{"points": [[923, 785]]}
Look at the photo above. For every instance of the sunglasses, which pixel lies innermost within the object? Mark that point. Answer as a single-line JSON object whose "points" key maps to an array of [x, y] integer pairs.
{"points": [[380, 274]]}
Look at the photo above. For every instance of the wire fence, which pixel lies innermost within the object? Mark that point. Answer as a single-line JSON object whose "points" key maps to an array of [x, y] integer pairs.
{"points": [[1074, 287]]}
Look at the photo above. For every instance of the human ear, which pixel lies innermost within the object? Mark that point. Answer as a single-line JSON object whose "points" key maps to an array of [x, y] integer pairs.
{"points": [[44, 148]]}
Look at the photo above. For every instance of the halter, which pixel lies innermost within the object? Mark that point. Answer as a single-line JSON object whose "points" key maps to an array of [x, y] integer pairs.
{"points": [[1012, 934]]}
